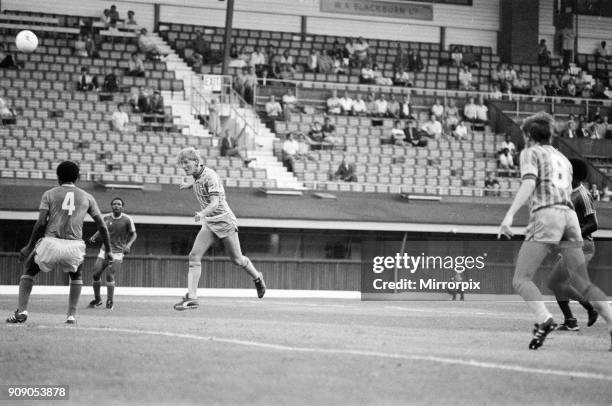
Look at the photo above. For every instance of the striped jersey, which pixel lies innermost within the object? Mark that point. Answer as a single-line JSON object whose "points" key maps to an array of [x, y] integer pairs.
{"points": [[119, 229], [583, 204], [67, 206], [552, 173], [206, 185]]}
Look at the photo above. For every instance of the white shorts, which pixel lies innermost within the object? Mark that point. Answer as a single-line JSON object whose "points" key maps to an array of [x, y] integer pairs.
{"points": [[117, 256], [56, 253]]}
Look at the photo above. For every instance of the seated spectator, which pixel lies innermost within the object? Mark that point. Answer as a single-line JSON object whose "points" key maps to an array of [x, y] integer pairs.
{"points": [[367, 75], [505, 160], [138, 100], [359, 106], [393, 107], [381, 107], [570, 130], [606, 194], [520, 85], [110, 85], [338, 52], [361, 51], [543, 54], [602, 51], [329, 133], [79, 47], [582, 130], [120, 119], [491, 185], [413, 136], [346, 103], [398, 137], [538, 91], [135, 66], [7, 59], [456, 56], [406, 108], [451, 115], [156, 104], [315, 135], [371, 105], [345, 172], [290, 104], [286, 72], [509, 145], [131, 20], [349, 50], [249, 81], [86, 81], [497, 76], [594, 192], [570, 88], [598, 129], [273, 111], [201, 47], [146, 45], [482, 112], [258, 60], [402, 78], [469, 60], [229, 146], [325, 63], [304, 145], [470, 110], [437, 109], [509, 74], [237, 60], [334, 105], [432, 128], [287, 61], [415, 63], [400, 62], [290, 152], [379, 78], [460, 132], [608, 128], [496, 93], [465, 79], [7, 115], [552, 88], [312, 64]]}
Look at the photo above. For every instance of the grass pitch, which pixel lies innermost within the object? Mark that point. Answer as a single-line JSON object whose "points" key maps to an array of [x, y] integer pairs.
{"points": [[303, 351]]}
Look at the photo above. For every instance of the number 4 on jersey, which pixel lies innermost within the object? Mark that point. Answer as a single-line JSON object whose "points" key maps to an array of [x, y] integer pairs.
{"points": [[68, 203]]}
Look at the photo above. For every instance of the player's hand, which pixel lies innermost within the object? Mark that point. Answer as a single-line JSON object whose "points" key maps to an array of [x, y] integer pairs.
{"points": [[108, 257], [185, 185], [126, 249], [92, 240], [505, 228], [197, 217], [24, 253]]}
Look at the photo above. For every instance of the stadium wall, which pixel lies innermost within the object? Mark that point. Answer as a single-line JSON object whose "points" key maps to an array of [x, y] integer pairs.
{"points": [[591, 31], [470, 25], [546, 26]]}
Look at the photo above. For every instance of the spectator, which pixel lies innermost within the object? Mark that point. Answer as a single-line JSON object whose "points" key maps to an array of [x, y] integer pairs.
{"points": [[406, 108], [456, 56], [312, 64], [393, 107], [120, 119], [258, 60], [359, 106], [505, 160], [402, 78], [105, 18], [315, 135], [290, 103], [367, 75], [157, 103], [135, 66], [287, 61], [201, 47], [437, 109], [602, 51], [131, 18], [286, 72], [460, 132], [91, 46], [482, 112], [491, 185], [552, 88], [470, 110], [290, 152], [86, 81], [273, 112], [567, 36], [334, 105], [538, 92], [465, 79], [80, 47], [345, 172], [329, 133], [349, 49], [598, 90], [304, 145], [413, 136], [608, 128], [582, 131], [570, 131], [7, 115], [520, 85], [346, 103], [543, 54], [237, 60], [451, 116], [509, 145], [214, 123], [361, 51], [415, 63], [398, 137], [146, 45], [114, 14], [139, 101], [496, 93], [379, 78], [110, 84], [432, 128], [7, 58], [598, 129], [606, 194], [381, 106], [371, 105], [229, 146], [399, 63], [249, 81], [594, 192]]}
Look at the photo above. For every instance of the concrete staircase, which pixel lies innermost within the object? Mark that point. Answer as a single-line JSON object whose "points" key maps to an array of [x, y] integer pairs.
{"points": [[262, 146]]}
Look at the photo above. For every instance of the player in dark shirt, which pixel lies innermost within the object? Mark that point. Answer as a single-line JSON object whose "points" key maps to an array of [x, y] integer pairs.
{"points": [[560, 277]]}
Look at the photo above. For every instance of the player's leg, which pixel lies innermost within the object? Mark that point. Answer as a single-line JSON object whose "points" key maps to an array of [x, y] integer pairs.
{"points": [[530, 257], [99, 268], [76, 283], [110, 282], [559, 283], [202, 243], [31, 269], [232, 245]]}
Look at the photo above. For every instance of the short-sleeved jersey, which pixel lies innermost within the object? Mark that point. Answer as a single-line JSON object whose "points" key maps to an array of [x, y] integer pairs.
{"points": [[583, 204], [207, 185], [119, 229], [67, 206], [552, 173]]}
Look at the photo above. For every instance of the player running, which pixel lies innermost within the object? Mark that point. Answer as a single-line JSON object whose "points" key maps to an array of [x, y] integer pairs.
{"points": [[547, 185], [56, 241], [122, 234], [560, 277], [218, 222]]}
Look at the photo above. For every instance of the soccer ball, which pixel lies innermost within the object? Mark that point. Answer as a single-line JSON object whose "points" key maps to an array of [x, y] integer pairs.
{"points": [[26, 41]]}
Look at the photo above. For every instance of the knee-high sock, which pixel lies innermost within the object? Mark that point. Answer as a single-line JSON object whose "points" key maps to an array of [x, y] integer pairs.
{"points": [[599, 300], [565, 309], [248, 266], [96, 288], [110, 290], [73, 297], [25, 288], [193, 278]]}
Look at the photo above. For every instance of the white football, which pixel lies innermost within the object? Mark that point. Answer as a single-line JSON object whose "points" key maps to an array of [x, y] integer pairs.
{"points": [[26, 41]]}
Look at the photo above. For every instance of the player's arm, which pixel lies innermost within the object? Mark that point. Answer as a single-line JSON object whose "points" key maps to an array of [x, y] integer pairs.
{"points": [[37, 233], [590, 225], [103, 232], [94, 238], [131, 239], [522, 196]]}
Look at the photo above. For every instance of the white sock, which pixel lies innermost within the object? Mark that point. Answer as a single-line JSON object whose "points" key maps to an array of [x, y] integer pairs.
{"points": [[539, 308], [193, 278]]}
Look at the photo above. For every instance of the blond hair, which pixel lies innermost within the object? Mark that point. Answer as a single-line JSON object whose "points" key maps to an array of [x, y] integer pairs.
{"points": [[189, 153]]}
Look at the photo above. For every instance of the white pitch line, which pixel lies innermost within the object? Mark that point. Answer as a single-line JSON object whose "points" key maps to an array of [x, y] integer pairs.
{"points": [[339, 351]]}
